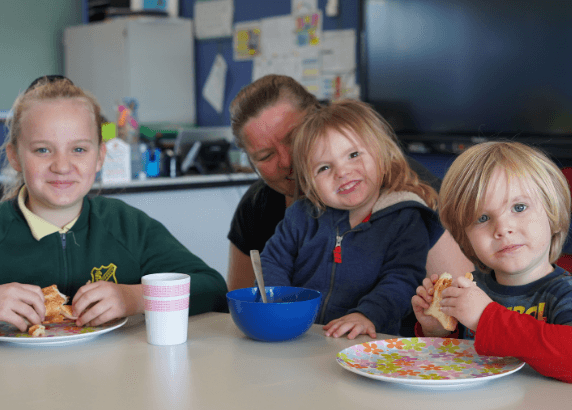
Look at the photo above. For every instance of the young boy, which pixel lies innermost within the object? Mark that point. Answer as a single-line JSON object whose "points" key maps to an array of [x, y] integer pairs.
{"points": [[508, 207]]}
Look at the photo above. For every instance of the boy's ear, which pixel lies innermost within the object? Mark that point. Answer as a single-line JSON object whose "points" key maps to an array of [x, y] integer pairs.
{"points": [[12, 155], [101, 156]]}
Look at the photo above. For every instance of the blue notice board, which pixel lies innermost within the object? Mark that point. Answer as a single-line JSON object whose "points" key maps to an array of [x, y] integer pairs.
{"points": [[239, 73]]}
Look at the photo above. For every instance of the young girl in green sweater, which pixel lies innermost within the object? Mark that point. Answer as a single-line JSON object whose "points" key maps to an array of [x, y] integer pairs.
{"points": [[52, 233]]}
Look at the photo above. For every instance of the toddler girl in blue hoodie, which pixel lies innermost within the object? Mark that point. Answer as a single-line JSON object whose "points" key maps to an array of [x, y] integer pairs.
{"points": [[361, 234]]}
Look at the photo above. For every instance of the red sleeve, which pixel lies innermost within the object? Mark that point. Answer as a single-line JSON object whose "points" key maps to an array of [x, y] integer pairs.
{"points": [[545, 347]]}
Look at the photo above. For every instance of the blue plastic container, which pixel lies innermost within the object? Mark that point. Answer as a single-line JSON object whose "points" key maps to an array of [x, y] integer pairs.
{"points": [[289, 313]]}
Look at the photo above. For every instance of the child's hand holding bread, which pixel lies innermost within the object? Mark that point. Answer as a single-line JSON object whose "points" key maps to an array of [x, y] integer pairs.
{"points": [[440, 301]]}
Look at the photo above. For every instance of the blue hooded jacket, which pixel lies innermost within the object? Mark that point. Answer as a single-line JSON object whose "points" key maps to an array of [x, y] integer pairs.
{"points": [[382, 260]]}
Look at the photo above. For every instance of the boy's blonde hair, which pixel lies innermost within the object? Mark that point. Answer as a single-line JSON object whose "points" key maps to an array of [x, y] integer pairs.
{"points": [[464, 187], [43, 89], [361, 120]]}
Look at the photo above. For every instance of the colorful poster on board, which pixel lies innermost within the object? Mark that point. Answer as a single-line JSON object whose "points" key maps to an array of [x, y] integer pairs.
{"points": [[246, 40], [308, 29]]}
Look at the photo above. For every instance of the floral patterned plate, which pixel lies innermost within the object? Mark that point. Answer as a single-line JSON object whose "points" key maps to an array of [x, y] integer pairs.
{"points": [[57, 333], [425, 361]]}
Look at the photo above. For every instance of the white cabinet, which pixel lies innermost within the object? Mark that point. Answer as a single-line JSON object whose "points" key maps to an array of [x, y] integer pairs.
{"points": [[151, 59]]}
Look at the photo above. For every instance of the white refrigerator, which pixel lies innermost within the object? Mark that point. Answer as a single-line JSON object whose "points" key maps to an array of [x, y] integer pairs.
{"points": [[150, 59]]}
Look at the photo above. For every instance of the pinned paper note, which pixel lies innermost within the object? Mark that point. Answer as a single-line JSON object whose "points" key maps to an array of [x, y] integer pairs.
{"points": [[339, 50], [304, 6], [278, 36], [213, 90], [213, 18]]}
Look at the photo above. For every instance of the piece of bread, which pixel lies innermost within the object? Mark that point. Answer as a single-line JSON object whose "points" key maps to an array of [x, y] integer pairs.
{"points": [[56, 310], [54, 299], [448, 322], [37, 331], [445, 280], [66, 311], [48, 320]]}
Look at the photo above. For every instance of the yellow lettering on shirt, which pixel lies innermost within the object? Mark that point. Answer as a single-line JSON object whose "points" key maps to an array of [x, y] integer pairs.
{"points": [[105, 273], [519, 309], [535, 311]]}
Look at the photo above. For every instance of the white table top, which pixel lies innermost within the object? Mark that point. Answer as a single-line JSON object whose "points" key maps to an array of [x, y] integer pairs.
{"points": [[219, 368]]}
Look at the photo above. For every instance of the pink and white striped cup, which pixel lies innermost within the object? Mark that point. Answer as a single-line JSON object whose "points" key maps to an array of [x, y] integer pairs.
{"points": [[166, 297]]}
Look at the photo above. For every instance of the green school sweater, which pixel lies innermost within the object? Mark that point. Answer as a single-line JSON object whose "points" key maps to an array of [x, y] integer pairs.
{"points": [[110, 241]]}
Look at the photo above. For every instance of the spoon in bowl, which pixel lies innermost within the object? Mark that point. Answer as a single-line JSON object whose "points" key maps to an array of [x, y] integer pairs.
{"points": [[257, 266]]}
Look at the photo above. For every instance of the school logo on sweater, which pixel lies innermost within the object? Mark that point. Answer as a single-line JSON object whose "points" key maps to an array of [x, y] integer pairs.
{"points": [[106, 273]]}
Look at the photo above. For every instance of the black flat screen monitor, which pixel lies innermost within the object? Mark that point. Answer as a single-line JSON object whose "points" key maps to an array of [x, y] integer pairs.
{"points": [[469, 67]]}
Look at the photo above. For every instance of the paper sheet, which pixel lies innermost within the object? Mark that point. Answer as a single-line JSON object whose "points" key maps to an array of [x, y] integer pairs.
{"points": [[338, 50], [278, 36], [213, 18], [215, 85], [304, 6], [286, 64]]}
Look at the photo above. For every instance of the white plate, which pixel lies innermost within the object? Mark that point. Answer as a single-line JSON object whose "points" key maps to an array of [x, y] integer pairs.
{"points": [[425, 361], [57, 333]]}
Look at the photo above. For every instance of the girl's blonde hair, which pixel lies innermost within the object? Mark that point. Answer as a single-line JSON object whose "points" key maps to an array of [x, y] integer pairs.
{"points": [[44, 89], [463, 190], [363, 122]]}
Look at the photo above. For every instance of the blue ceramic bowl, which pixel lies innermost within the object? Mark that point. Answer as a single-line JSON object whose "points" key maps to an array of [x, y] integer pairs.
{"points": [[289, 312]]}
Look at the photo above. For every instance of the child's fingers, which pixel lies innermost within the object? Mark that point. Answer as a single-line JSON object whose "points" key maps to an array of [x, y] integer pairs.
{"points": [[362, 329], [434, 277], [419, 304], [423, 293], [356, 331], [328, 326], [97, 314], [342, 329], [18, 321], [104, 317], [463, 282], [34, 292], [428, 285], [32, 305], [83, 290], [331, 327]]}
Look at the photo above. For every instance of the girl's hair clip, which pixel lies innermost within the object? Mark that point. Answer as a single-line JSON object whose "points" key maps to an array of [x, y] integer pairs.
{"points": [[49, 78]]}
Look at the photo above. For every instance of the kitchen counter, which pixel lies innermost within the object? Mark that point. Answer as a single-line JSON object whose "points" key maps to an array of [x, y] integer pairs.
{"points": [[173, 184]]}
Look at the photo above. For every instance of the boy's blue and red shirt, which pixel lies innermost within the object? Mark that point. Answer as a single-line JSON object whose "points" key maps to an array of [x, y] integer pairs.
{"points": [[548, 299]]}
